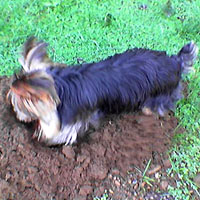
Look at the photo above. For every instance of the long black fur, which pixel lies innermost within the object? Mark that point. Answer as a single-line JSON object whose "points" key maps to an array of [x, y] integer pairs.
{"points": [[133, 80], [124, 82]]}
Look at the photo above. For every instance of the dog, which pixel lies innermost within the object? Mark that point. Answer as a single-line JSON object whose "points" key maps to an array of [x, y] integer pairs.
{"points": [[66, 100]]}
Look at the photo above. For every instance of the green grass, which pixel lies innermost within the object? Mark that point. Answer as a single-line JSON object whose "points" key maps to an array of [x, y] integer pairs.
{"points": [[185, 154], [103, 197], [95, 29]]}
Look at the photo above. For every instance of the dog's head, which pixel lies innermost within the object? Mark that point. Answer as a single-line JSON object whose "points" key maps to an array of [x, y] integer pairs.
{"points": [[32, 92], [33, 96]]}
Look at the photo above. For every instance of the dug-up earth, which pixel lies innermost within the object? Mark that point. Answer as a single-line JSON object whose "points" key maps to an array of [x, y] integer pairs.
{"points": [[111, 159]]}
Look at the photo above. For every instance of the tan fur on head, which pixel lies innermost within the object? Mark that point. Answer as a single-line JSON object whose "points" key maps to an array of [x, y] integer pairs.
{"points": [[31, 85], [34, 55], [19, 108], [31, 97]]}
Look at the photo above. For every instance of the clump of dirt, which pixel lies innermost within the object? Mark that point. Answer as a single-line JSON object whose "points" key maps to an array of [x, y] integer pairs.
{"points": [[111, 158]]}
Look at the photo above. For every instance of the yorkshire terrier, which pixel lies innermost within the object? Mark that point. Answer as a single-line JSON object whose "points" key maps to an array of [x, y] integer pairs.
{"points": [[66, 100]]}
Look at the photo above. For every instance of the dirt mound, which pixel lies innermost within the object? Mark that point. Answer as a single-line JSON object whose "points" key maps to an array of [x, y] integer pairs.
{"points": [[29, 170]]}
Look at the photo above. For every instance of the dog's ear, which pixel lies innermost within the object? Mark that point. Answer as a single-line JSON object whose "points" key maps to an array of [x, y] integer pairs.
{"points": [[36, 93], [34, 55]]}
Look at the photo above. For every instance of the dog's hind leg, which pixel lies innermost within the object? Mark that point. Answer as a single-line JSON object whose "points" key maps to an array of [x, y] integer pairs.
{"points": [[160, 104], [147, 111], [163, 103]]}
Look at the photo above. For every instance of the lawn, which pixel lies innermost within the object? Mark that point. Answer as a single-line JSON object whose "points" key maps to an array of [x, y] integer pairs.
{"points": [[91, 30]]}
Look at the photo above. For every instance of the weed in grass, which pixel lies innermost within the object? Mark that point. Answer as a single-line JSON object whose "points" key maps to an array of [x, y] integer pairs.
{"points": [[103, 197], [145, 178]]}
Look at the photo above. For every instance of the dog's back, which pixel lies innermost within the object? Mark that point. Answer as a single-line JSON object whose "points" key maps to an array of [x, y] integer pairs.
{"points": [[124, 81]]}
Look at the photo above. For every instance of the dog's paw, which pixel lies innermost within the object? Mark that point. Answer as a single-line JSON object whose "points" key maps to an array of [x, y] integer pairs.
{"points": [[147, 111]]}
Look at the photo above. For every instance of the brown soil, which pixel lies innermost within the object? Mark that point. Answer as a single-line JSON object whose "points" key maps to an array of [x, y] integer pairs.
{"points": [[112, 158]]}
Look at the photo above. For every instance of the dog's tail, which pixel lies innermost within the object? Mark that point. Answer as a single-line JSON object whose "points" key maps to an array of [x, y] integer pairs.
{"points": [[187, 56]]}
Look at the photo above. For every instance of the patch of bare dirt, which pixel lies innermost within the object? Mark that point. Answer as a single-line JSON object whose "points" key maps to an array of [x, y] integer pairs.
{"points": [[112, 158]]}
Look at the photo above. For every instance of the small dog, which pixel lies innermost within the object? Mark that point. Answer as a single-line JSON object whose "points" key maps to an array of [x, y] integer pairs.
{"points": [[66, 100]]}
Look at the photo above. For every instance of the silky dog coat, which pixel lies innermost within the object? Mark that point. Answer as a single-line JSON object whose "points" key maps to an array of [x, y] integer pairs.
{"points": [[66, 100]]}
